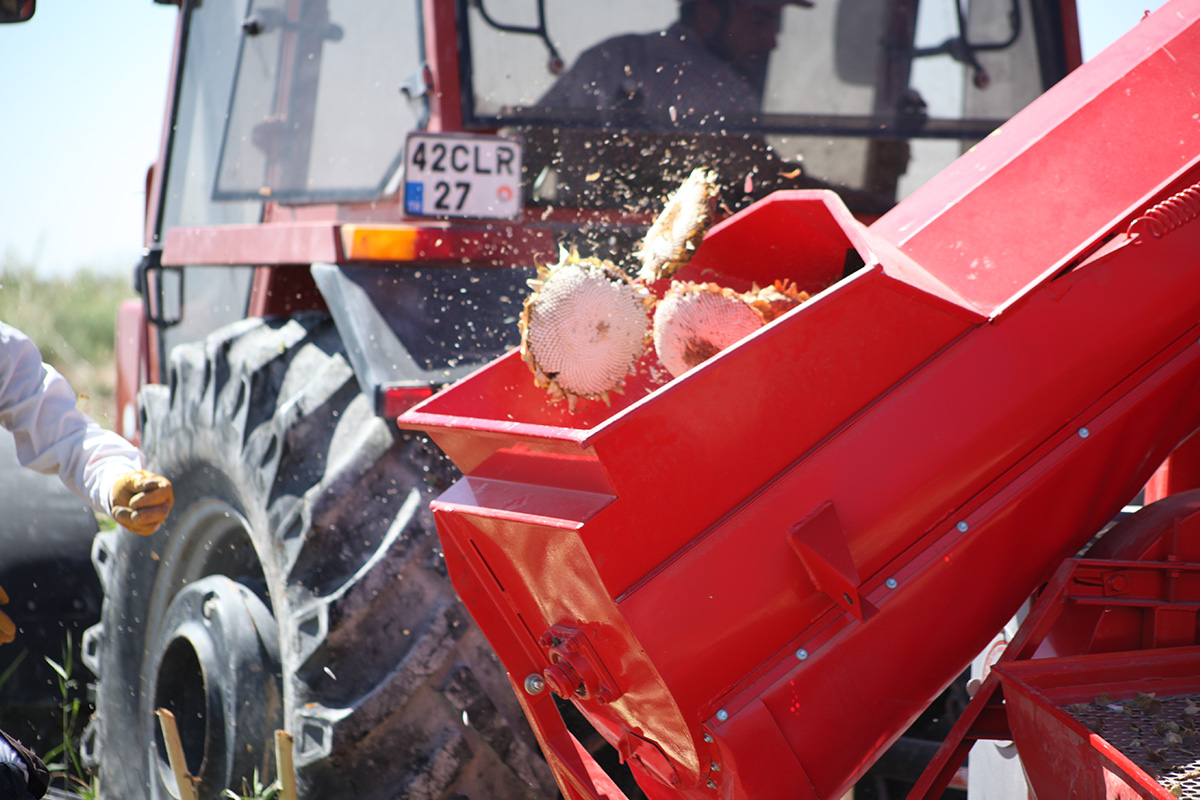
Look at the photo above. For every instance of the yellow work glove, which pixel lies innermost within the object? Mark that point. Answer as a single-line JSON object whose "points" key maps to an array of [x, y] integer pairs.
{"points": [[8, 631], [141, 501]]}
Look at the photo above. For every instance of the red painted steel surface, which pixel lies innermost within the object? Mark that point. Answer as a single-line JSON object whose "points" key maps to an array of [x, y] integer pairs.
{"points": [[306, 242], [132, 357], [282, 292], [1002, 376], [1180, 473], [441, 47], [278, 243], [1120, 615], [1028, 200]]}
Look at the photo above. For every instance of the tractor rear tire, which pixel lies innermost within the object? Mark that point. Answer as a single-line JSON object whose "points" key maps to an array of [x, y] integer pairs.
{"points": [[298, 583]]}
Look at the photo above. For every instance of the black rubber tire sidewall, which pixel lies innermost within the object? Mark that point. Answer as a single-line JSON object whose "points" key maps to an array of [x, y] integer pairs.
{"points": [[265, 420]]}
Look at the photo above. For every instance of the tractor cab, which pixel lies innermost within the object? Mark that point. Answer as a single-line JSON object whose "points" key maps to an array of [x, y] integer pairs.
{"points": [[287, 104]]}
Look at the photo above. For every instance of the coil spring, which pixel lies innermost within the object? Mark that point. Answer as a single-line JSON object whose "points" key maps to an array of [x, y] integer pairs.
{"points": [[1169, 215]]}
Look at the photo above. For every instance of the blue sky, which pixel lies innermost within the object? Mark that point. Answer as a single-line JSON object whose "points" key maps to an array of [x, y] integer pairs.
{"points": [[83, 94], [82, 98]]}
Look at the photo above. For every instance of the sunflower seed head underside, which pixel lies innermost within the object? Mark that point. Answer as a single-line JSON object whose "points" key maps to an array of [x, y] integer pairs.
{"points": [[583, 328], [695, 321]]}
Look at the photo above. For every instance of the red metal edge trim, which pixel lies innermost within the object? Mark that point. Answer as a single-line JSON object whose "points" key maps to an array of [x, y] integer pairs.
{"points": [[241, 245]]}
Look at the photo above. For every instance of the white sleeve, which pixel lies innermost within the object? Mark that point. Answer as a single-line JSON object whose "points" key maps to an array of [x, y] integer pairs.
{"points": [[52, 435], [10, 756]]}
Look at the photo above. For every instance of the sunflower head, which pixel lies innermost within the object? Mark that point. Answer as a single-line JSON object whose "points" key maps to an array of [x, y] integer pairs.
{"points": [[583, 328]]}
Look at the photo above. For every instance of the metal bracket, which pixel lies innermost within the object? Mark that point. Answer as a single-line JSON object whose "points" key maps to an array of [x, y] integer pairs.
{"points": [[820, 542], [576, 671], [417, 85], [646, 754]]}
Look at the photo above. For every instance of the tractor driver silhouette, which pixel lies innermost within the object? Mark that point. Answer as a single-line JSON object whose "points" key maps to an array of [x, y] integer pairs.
{"points": [[708, 66]]}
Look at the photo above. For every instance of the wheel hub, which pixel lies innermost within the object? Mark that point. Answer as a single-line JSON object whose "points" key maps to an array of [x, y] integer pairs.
{"points": [[217, 671]]}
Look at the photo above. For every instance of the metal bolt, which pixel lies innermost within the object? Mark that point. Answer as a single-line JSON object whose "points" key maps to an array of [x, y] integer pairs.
{"points": [[534, 684], [801, 654], [722, 715], [714, 766], [891, 583], [1084, 433], [711, 785], [963, 527], [209, 608], [708, 738]]}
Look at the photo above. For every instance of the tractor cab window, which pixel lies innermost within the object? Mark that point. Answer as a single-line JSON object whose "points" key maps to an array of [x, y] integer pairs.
{"points": [[869, 96], [318, 110], [292, 100]]}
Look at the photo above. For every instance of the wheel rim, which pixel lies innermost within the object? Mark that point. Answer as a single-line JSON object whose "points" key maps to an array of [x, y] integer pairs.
{"points": [[214, 655]]}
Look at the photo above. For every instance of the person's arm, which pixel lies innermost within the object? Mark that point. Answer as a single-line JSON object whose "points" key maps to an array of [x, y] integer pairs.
{"points": [[53, 437]]}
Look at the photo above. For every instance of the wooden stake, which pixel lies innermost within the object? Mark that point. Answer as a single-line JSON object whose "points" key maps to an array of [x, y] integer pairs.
{"points": [[185, 782], [284, 766]]}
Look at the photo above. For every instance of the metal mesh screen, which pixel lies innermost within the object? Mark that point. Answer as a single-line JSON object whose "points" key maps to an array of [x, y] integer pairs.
{"points": [[1159, 734]]}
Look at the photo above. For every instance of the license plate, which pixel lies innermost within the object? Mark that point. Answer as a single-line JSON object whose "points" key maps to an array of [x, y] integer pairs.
{"points": [[462, 176]]}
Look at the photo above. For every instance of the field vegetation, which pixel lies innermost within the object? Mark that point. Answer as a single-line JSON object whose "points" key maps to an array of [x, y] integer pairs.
{"points": [[73, 322], [72, 319]]}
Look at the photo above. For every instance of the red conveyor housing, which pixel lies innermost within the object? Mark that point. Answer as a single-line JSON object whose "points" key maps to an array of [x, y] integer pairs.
{"points": [[752, 578]]}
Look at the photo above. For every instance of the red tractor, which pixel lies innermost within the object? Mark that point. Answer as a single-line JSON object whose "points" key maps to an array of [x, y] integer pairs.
{"points": [[347, 205]]}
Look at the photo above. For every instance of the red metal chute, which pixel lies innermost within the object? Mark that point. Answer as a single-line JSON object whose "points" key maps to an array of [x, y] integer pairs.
{"points": [[752, 578]]}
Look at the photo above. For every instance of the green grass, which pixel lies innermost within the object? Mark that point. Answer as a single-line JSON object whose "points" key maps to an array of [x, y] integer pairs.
{"points": [[254, 790], [65, 760], [72, 320]]}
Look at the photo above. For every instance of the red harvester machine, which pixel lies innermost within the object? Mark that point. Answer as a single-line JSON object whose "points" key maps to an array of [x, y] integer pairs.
{"points": [[752, 578]]}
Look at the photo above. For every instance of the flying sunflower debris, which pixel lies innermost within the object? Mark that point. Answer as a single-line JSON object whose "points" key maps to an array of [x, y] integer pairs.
{"points": [[586, 324], [678, 230]]}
